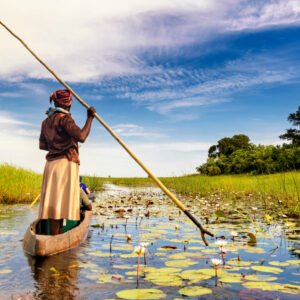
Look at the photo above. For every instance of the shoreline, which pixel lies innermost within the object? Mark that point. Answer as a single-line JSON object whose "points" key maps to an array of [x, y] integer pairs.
{"points": [[18, 185]]}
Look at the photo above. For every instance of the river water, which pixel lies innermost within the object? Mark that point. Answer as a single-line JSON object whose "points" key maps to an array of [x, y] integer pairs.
{"points": [[177, 265]]}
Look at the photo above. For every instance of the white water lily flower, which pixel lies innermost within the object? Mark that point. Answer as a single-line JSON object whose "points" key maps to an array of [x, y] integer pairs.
{"points": [[254, 208], [221, 243], [223, 250], [139, 250], [216, 262], [234, 233], [144, 245]]}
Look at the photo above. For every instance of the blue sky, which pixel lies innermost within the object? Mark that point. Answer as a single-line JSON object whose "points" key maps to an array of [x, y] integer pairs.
{"points": [[171, 78]]}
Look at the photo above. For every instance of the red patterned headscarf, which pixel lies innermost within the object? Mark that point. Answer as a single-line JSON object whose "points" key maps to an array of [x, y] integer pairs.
{"points": [[62, 98]]}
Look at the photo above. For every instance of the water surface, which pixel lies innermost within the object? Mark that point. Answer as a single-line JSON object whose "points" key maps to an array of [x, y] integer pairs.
{"points": [[176, 258]]}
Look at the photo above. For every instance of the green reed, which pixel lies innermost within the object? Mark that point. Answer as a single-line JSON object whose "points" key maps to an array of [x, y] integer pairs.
{"points": [[18, 185], [268, 189]]}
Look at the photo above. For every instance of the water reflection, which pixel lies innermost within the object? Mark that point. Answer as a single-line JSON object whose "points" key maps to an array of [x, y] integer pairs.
{"points": [[56, 277]]}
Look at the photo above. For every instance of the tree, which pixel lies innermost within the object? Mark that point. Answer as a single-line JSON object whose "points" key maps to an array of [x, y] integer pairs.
{"points": [[293, 134], [227, 145]]}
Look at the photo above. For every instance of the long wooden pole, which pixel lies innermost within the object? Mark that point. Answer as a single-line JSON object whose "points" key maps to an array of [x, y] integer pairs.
{"points": [[156, 180]]}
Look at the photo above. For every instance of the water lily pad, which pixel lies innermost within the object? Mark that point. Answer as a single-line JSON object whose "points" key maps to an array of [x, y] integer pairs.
{"points": [[141, 294], [194, 275], [279, 263], [162, 270], [293, 261], [239, 263], [108, 278], [191, 291], [210, 271], [165, 279], [181, 263], [196, 255], [267, 286], [160, 254], [230, 278], [129, 273], [267, 269], [255, 250], [177, 256], [260, 277], [5, 271]]}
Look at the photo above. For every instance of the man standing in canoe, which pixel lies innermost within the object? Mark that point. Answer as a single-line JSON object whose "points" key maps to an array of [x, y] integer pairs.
{"points": [[60, 136]]}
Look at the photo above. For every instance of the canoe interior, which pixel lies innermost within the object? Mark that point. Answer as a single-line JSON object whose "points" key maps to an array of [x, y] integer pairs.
{"points": [[46, 245]]}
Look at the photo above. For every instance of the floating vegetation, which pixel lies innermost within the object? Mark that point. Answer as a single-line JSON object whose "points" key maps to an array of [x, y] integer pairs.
{"points": [[141, 294], [5, 271], [266, 269], [192, 291], [162, 256]]}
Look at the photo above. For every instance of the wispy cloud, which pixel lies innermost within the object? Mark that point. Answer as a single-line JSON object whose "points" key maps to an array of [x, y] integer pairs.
{"points": [[255, 15], [214, 85], [133, 130], [10, 95], [7, 119], [108, 38], [12, 126]]}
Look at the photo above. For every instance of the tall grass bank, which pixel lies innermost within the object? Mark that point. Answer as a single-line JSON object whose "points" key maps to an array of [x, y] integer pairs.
{"points": [[18, 185], [282, 189]]}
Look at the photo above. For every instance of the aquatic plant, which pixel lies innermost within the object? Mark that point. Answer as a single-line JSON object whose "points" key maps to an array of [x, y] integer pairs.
{"points": [[128, 237], [233, 234], [216, 263], [145, 245], [139, 250]]}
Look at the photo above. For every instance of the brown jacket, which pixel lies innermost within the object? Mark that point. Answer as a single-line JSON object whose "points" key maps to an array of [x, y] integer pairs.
{"points": [[60, 136]]}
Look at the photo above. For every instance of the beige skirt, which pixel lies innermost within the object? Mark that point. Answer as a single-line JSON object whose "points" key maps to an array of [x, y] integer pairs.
{"points": [[60, 191]]}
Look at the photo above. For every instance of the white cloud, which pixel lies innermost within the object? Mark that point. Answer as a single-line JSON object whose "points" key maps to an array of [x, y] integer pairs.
{"points": [[133, 130], [258, 15], [9, 121], [166, 107], [217, 85], [102, 159], [163, 159], [10, 95], [96, 40], [84, 42]]}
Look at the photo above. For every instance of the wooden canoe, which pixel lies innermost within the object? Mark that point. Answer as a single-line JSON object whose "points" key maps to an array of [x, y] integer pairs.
{"points": [[46, 245]]}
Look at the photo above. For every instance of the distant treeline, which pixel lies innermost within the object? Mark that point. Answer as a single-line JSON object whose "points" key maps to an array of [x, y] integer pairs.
{"points": [[237, 155]]}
